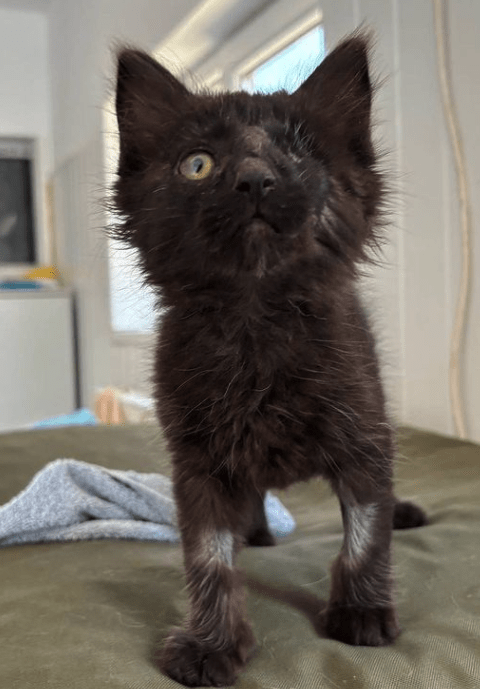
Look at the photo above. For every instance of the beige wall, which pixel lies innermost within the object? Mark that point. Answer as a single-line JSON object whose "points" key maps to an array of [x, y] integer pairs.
{"points": [[415, 294]]}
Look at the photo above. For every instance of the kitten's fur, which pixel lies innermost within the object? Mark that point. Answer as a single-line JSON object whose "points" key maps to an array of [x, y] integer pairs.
{"points": [[266, 371]]}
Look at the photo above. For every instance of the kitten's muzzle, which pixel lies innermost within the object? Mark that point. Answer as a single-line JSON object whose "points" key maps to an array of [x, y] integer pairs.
{"points": [[254, 179]]}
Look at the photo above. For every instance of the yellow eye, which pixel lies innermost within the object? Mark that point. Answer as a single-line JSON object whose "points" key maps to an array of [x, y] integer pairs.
{"points": [[197, 166]]}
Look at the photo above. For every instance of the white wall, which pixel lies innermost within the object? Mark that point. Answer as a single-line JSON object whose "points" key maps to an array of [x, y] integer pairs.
{"points": [[465, 48], [416, 293], [24, 80], [81, 37], [25, 98], [81, 63]]}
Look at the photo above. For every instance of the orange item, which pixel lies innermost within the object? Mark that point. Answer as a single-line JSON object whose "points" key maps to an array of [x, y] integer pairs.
{"points": [[108, 409]]}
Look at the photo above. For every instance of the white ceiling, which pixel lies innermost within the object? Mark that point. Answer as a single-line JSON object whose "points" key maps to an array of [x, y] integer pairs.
{"points": [[30, 5]]}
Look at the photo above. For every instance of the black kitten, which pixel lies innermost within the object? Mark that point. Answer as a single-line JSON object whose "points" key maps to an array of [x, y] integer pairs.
{"points": [[252, 214]]}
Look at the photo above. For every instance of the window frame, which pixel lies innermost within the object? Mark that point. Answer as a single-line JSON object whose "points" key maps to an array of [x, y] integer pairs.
{"points": [[251, 46]]}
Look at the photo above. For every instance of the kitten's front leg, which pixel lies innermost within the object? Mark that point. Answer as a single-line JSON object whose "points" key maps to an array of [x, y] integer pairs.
{"points": [[361, 611], [258, 533], [216, 639]]}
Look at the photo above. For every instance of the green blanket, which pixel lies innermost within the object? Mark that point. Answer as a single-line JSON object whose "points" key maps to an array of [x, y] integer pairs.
{"points": [[90, 615]]}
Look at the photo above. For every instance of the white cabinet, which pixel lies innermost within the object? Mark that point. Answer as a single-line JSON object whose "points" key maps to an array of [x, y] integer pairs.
{"points": [[37, 366]]}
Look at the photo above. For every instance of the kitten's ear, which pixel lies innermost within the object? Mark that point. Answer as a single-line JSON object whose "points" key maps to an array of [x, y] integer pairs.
{"points": [[148, 97], [340, 92]]}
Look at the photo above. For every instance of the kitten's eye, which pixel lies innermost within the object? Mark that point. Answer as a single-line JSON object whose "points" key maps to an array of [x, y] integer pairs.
{"points": [[197, 166]]}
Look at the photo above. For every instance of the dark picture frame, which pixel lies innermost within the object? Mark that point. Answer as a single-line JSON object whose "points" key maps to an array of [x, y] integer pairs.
{"points": [[17, 216]]}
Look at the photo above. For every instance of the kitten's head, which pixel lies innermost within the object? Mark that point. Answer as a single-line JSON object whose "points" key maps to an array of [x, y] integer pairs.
{"points": [[236, 187]]}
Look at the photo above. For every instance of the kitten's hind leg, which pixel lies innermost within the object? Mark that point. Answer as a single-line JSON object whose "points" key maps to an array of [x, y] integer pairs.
{"points": [[361, 610], [258, 533], [407, 515], [216, 640]]}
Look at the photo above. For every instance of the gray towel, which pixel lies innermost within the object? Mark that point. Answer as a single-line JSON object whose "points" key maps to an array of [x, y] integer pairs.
{"points": [[69, 500]]}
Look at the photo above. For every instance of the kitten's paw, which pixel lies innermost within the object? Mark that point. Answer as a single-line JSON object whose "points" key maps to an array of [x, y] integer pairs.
{"points": [[261, 537], [407, 515], [194, 662], [362, 626]]}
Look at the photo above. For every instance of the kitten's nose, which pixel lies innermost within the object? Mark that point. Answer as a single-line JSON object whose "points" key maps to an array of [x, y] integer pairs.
{"points": [[254, 179]]}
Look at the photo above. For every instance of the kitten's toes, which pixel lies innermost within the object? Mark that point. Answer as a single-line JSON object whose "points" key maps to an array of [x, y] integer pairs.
{"points": [[195, 663], [362, 626], [260, 537], [407, 515]]}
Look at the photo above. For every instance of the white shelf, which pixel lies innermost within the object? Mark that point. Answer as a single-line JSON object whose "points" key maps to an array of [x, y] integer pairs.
{"points": [[34, 293], [37, 368]]}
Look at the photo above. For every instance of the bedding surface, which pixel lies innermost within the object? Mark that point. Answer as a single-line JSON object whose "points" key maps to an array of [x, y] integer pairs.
{"points": [[92, 614]]}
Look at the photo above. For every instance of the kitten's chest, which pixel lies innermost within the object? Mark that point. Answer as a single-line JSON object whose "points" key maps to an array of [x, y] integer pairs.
{"points": [[232, 372], [250, 355], [261, 398]]}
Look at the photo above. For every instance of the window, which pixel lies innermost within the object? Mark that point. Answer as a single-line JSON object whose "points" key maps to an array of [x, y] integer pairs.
{"points": [[249, 58], [131, 303], [289, 67]]}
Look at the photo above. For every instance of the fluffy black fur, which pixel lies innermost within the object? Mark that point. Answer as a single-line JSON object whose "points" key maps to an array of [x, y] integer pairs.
{"points": [[266, 371]]}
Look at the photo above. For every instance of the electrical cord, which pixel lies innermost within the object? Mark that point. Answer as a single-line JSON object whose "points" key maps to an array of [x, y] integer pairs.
{"points": [[461, 313]]}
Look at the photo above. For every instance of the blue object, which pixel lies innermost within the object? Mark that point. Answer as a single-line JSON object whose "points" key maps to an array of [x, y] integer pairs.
{"points": [[80, 417], [20, 284], [279, 519], [70, 500]]}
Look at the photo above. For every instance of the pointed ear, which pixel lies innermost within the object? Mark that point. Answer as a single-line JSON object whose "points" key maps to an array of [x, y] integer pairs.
{"points": [[148, 98], [339, 93]]}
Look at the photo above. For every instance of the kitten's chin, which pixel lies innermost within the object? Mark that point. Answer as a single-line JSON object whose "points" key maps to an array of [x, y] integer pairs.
{"points": [[260, 227], [261, 248]]}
